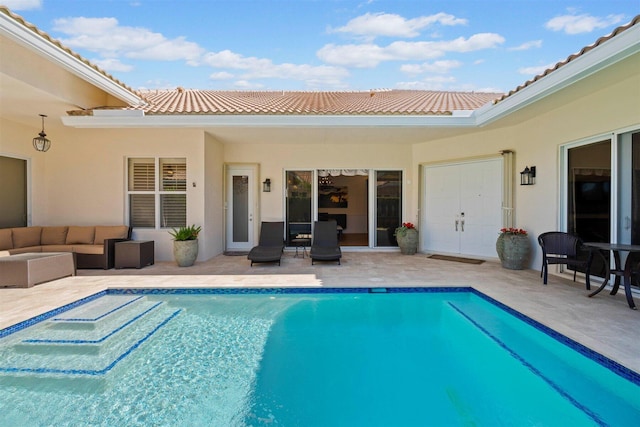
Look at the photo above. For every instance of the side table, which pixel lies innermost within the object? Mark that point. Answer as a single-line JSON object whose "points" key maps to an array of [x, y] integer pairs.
{"points": [[134, 253], [301, 241]]}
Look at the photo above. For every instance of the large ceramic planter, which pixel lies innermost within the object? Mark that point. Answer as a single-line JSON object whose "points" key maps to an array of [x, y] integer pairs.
{"points": [[185, 252], [408, 241], [513, 250]]}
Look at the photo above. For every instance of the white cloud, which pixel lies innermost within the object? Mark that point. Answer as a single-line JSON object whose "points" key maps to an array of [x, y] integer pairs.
{"points": [[439, 67], [535, 70], [263, 68], [245, 84], [391, 25], [576, 24], [429, 83], [370, 55], [528, 45], [107, 38], [22, 4], [112, 64], [222, 75]]}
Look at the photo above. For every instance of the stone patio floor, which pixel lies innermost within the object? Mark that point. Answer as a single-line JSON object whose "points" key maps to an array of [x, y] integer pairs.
{"points": [[603, 323]]}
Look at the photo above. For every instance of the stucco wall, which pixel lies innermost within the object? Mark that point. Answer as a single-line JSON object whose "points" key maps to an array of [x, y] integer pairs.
{"points": [[275, 159], [596, 106]]}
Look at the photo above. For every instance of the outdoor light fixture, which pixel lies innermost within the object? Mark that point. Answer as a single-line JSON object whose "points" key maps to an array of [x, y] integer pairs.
{"points": [[528, 176], [41, 143], [266, 186]]}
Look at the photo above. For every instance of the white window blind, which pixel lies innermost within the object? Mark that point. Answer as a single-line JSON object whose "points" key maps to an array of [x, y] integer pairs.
{"points": [[163, 205]]}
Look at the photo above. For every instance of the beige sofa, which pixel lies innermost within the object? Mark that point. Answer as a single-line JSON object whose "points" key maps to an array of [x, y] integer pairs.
{"points": [[93, 246]]}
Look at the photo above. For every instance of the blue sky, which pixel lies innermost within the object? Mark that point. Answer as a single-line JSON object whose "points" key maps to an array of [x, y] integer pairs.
{"points": [[454, 45]]}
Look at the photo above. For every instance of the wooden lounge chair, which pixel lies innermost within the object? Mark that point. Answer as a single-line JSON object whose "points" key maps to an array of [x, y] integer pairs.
{"points": [[325, 246], [563, 248], [271, 243]]}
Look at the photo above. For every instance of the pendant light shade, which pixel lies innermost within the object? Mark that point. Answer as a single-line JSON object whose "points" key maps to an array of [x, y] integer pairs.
{"points": [[40, 142]]}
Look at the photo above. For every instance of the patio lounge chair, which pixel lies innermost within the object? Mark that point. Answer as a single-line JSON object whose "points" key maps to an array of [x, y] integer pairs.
{"points": [[563, 248], [325, 246], [271, 243]]}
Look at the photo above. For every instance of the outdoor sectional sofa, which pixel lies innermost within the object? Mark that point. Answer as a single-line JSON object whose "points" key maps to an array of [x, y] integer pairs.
{"points": [[93, 246]]}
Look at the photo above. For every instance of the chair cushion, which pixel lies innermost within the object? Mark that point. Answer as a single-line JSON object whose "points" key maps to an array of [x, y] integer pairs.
{"points": [[83, 235], [54, 235], [6, 242], [110, 232], [26, 236]]}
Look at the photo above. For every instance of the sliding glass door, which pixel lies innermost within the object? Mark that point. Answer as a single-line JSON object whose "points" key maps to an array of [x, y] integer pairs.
{"points": [[603, 191], [388, 214], [298, 204]]}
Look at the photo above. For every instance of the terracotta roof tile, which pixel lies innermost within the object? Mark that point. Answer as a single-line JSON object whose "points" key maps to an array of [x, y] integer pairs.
{"points": [[386, 102]]}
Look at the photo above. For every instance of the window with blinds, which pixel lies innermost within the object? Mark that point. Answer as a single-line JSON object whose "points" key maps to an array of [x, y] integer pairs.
{"points": [[157, 192]]}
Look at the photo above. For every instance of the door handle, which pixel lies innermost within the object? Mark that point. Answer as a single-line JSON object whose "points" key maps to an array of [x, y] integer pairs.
{"points": [[462, 225], [457, 224]]}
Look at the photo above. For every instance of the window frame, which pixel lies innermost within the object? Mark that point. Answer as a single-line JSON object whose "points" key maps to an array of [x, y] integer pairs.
{"points": [[178, 187]]}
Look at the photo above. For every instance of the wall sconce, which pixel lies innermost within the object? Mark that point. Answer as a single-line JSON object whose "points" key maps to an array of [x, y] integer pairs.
{"points": [[528, 176], [266, 186], [41, 143]]}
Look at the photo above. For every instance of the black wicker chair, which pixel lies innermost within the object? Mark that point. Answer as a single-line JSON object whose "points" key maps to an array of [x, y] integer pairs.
{"points": [[563, 248]]}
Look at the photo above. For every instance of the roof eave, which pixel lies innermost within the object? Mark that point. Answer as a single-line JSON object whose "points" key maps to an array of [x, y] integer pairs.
{"points": [[208, 121], [23, 35], [618, 48]]}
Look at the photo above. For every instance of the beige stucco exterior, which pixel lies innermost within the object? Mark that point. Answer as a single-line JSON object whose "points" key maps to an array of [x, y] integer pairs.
{"points": [[81, 179]]}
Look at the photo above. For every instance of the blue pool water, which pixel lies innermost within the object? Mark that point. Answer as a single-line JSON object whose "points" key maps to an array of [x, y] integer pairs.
{"points": [[305, 357]]}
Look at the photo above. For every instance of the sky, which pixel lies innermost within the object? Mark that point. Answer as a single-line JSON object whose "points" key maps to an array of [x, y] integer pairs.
{"points": [[326, 45]]}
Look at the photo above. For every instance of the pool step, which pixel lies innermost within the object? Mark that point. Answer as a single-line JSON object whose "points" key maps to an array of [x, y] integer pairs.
{"points": [[109, 334]]}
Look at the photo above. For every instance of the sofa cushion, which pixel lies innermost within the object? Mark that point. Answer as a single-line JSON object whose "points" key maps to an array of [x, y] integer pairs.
{"points": [[53, 235], [26, 236], [57, 248], [89, 249], [26, 249], [77, 234], [6, 242], [110, 232]]}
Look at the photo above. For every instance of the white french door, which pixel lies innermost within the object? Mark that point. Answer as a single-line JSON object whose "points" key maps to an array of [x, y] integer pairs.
{"points": [[462, 207], [240, 207]]}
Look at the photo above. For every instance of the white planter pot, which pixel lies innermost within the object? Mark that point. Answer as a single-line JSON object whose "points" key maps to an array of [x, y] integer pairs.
{"points": [[185, 252]]}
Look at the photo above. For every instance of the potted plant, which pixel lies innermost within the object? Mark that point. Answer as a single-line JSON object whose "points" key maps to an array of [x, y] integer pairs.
{"points": [[513, 248], [407, 237], [185, 245]]}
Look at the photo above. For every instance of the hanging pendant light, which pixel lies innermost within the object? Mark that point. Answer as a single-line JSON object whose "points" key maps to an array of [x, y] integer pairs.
{"points": [[41, 143]]}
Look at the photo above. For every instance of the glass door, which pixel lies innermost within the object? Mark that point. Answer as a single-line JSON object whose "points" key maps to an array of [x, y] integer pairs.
{"points": [[240, 199], [388, 215], [298, 204], [589, 196]]}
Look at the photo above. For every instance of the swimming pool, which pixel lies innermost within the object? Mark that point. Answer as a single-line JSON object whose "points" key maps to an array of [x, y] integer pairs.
{"points": [[309, 357]]}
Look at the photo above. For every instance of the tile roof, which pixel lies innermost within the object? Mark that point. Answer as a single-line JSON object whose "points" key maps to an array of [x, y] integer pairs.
{"points": [[21, 21], [181, 101], [378, 102], [582, 51]]}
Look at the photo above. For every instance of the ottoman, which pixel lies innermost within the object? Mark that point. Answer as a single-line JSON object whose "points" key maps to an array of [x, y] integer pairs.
{"points": [[28, 269]]}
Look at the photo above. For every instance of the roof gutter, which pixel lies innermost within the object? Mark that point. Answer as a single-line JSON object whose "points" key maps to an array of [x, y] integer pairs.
{"points": [[616, 49], [228, 120], [13, 29]]}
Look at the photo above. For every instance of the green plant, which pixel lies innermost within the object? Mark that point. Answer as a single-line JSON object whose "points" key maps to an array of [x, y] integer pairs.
{"points": [[185, 233], [402, 230]]}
